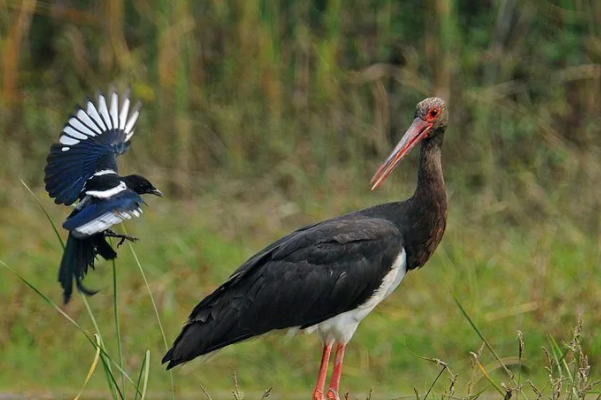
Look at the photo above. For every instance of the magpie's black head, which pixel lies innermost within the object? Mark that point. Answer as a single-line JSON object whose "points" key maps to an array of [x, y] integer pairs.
{"points": [[141, 185]]}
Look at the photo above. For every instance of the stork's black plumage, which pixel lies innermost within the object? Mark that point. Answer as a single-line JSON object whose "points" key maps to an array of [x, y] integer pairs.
{"points": [[83, 166], [329, 276], [298, 283]]}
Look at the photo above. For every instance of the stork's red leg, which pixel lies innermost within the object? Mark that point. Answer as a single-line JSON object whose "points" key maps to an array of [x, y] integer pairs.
{"points": [[323, 371], [335, 381]]}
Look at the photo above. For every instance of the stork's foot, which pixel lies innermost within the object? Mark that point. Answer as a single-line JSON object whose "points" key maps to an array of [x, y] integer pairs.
{"points": [[318, 395], [333, 395], [113, 234]]}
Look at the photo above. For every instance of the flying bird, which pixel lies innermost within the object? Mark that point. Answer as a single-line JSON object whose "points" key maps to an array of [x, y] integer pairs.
{"points": [[82, 167], [329, 276]]}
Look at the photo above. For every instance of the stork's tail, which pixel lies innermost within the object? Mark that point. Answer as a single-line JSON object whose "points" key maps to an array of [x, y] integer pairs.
{"points": [[186, 346], [203, 337]]}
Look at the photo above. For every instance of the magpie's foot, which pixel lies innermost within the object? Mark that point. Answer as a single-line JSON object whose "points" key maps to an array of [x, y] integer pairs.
{"points": [[110, 233], [132, 239]]}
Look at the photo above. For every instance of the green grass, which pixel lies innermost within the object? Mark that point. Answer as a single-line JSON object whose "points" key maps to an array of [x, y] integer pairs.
{"points": [[113, 369], [262, 116], [508, 281]]}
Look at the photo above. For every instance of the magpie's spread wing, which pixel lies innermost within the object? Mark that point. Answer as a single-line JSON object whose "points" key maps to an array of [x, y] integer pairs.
{"points": [[89, 144], [99, 214]]}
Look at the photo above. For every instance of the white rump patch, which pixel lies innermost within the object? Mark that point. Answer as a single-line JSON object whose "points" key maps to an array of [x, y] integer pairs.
{"points": [[103, 194]]}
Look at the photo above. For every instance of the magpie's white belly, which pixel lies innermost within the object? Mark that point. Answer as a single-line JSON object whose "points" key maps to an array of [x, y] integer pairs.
{"points": [[340, 329]]}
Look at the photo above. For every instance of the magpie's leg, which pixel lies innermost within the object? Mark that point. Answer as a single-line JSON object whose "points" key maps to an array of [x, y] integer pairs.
{"points": [[113, 234]]}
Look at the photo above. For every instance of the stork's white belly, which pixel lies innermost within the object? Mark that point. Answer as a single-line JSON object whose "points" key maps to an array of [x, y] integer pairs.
{"points": [[340, 329]]}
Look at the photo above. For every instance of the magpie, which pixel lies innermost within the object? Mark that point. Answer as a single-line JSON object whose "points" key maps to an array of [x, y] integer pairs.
{"points": [[82, 167]]}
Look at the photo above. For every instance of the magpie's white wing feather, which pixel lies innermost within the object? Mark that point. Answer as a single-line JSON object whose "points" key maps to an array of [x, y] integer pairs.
{"points": [[105, 221], [90, 142], [99, 214]]}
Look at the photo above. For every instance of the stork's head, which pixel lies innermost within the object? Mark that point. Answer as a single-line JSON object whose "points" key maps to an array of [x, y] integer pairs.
{"points": [[431, 117]]}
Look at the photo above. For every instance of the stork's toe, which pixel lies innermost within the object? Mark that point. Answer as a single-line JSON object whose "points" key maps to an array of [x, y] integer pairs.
{"points": [[333, 395]]}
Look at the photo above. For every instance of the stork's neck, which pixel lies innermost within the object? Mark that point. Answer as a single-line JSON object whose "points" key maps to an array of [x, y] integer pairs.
{"points": [[429, 175], [426, 211]]}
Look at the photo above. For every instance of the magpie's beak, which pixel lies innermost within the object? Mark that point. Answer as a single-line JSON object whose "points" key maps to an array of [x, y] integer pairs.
{"points": [[156, 192]]}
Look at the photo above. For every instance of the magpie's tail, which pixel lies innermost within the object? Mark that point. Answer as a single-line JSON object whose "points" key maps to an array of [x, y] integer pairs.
{"points": [[79, 255]]}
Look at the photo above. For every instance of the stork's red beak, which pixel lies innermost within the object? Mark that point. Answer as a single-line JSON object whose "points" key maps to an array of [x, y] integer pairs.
{"points": [[416, 132]]}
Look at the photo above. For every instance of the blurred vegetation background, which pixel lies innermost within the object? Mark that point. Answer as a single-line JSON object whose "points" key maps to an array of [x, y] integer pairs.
{"points": [[260, 116]]}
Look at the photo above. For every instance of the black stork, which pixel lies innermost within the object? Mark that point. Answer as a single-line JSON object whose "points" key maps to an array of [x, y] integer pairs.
{"points": [[327, 277]]}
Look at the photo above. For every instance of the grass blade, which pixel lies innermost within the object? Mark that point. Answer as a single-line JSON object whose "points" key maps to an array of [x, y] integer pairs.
{"points": [[46, 299], [156, 312], [107, 359], [92, 368], [98, 344], [490, 380], [444, 367], [116, 392], [106, 367], [560, 356], [488, 346], [117, 323], [143, 377], [112, 382], [154, 304], [58, 236]]}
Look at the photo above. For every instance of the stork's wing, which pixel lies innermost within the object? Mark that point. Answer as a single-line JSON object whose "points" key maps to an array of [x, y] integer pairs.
{"points": [[309, 276], [90, 142], [100, 214]]}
